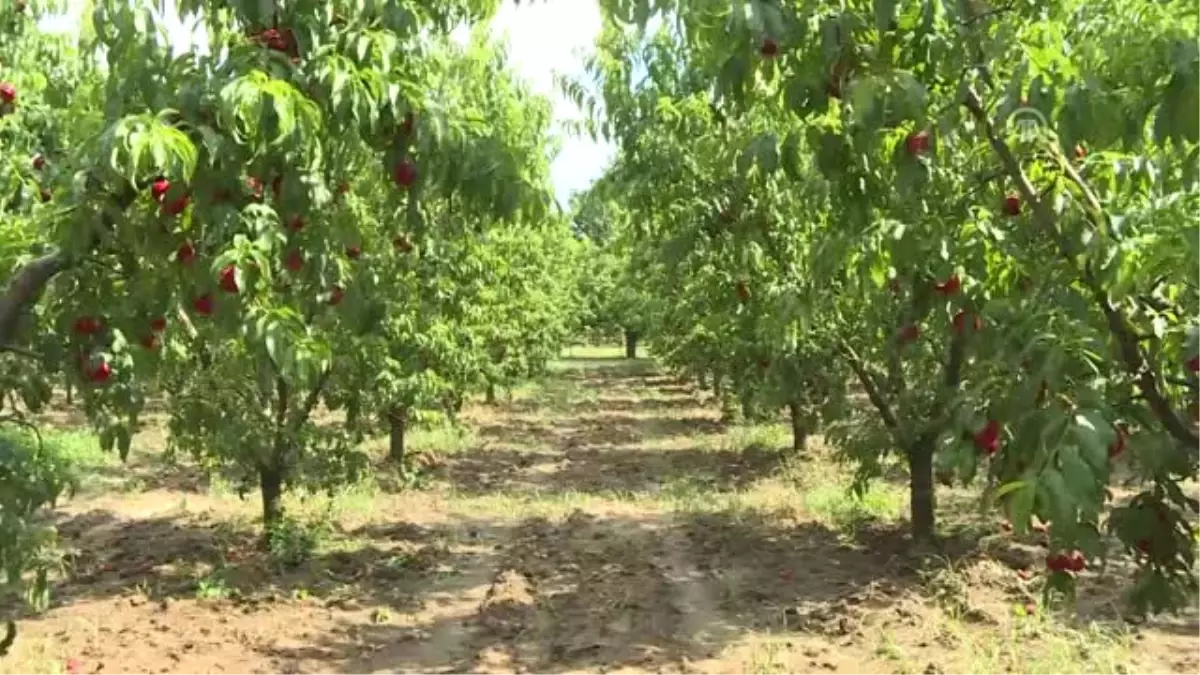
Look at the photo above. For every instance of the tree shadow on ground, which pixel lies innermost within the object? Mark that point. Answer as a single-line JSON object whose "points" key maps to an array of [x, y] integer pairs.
{"points": [[162, 558], [602, 594], [598, 471], [146, 471]]}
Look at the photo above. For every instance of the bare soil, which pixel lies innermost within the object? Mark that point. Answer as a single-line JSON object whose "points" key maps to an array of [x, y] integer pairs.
{"points": [[607, 522]]}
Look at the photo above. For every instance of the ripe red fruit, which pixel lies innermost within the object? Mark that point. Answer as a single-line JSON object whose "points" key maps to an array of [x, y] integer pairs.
{"points": [[987, 439], [228, 279], [1056, 562], [39, 162], [909, 333], [159, 188], [1075, 562], [150, 341], [917, 143], [294, 261], [769, 48], [176, 206], [296, 223], [1012, 205], [274, 39], [1193, 364], [336, 294], [1080, 152], [743, 291], [158, 324], [101, 373], [404, 174], [960, 321], [87, 325], [948, 287], [203, 305], [402, 244], [353, 252], [8, 93], [186, 253], [1118, 445]]}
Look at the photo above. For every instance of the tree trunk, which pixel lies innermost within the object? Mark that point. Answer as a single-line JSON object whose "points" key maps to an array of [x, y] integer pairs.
{"points": [[702, 380], [920, 467], [631, 343], [270, 481], [398, 424], [489, 397], [716, 385], [70, 395], [799, 433]]}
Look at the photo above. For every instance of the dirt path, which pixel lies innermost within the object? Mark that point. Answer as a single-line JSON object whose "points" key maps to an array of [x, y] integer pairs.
{"points": [[606, 522]]}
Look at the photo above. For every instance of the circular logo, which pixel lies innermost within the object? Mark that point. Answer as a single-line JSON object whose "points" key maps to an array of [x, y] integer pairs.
{"points": [[1027, 122]]}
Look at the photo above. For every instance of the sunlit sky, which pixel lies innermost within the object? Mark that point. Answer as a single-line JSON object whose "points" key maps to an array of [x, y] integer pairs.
{"points": [[544, 37]]}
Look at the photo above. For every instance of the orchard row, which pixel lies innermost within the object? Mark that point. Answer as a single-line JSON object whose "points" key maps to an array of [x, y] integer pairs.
{"points": [[351, 216], [833, 210]]}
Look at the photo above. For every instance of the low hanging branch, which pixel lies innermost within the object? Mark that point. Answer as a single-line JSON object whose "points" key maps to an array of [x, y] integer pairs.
{"points": [[1132, 356], [24, 288], [28, 282]]}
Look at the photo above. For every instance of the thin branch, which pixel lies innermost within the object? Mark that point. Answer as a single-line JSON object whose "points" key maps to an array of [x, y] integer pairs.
{"points": [[21, 350], [871, 387]]}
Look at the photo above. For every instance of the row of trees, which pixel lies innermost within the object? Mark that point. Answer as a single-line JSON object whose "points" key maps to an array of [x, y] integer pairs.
{"points": [[832, 207], [332, 222]]}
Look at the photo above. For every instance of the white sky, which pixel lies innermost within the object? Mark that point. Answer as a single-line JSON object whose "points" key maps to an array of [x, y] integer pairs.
{"points": [[544, 37]]}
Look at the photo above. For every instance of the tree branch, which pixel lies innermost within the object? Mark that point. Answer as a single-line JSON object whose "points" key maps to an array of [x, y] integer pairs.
{"points": [[1132, 356], [871, 387], [23, 290]]}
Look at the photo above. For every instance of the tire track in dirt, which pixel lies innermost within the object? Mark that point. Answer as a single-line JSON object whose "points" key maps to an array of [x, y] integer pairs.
{"points": [[437, 640], [703, 628], [614, 587]]}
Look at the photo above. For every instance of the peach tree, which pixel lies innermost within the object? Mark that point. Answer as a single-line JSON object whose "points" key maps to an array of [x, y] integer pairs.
{"points": [[47, 104], [1010, 194], [201, 232]]}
